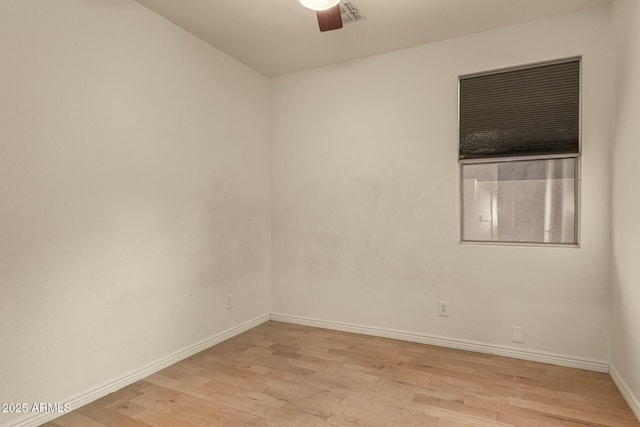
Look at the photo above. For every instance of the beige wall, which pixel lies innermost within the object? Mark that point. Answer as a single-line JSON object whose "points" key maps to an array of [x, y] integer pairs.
{"points": [[365, 198], [625, 358], [134, 194]]}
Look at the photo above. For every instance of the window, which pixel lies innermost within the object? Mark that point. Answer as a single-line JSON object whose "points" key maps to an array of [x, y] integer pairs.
{"points": [[518, 153]]}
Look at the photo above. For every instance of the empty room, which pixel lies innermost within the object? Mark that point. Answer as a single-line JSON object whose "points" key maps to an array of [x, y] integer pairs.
{"points": [[319, 213]]}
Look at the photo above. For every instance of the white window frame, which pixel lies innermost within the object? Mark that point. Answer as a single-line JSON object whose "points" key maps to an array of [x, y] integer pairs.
{"points": [[577, 167]]}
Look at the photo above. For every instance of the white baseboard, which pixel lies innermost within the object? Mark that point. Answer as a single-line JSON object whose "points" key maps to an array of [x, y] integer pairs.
{"points": [[499, 350], [114, 385], [628, 395]]}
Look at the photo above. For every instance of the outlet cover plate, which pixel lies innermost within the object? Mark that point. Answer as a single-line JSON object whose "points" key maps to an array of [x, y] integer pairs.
{"points": [[517, 334], [443, 308]]}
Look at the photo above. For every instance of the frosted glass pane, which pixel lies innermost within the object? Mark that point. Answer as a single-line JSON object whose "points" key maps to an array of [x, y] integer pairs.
{"points": [[530, 201]]}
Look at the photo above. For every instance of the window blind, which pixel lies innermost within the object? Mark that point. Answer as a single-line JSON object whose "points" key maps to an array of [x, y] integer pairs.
{"points": [[525, 112]]}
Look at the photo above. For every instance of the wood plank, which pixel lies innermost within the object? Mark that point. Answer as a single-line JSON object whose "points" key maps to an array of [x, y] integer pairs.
{"points": [[281, 375]]}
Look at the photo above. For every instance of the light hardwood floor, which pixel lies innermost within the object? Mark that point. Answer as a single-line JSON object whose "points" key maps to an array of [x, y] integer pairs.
{"points": [[287, 375]]}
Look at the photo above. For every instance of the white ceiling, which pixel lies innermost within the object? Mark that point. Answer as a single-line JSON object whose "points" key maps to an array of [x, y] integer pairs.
{"points": [[280, 36]]}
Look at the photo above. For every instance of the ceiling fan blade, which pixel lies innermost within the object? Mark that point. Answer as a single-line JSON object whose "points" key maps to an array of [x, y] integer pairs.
{"points": [[330, 19]]}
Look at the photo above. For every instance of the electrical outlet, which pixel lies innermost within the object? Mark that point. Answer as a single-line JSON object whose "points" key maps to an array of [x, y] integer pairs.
{"points": [[517, 334], [443, 308], [229, 301]]}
